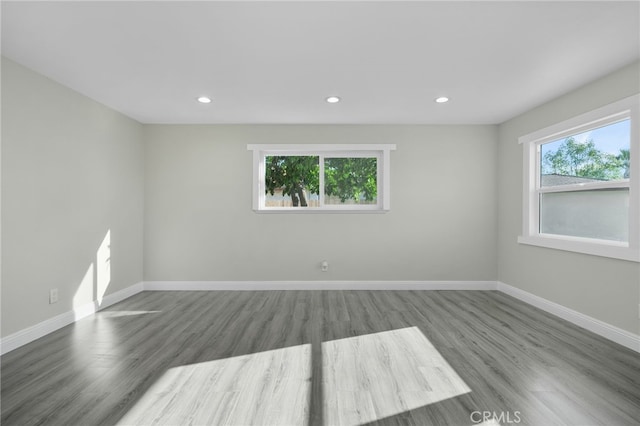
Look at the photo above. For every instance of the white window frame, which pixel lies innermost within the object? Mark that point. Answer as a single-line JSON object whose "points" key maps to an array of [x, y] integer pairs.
{"points": [[382, 152], [609, 114]]}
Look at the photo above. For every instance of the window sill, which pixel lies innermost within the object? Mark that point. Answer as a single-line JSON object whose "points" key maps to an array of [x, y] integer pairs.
{"points": [[594, 247], [306, 210]]}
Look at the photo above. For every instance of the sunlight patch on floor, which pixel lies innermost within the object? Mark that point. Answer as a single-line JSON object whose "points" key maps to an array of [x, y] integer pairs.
{"points": [[364, 379], [490, 422], [264, 388], [118, 314], [374, 376]]}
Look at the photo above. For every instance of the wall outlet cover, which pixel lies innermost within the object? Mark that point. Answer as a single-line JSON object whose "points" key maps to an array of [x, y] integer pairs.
{"points": [[53, 295]]}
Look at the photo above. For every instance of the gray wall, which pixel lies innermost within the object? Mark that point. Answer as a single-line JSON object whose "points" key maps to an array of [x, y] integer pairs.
{"points": [[603, 288], [72, 171], [199, 224]]}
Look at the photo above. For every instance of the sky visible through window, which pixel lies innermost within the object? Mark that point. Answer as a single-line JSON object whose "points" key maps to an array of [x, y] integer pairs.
{"points": [[610, 139], [598, 154]]}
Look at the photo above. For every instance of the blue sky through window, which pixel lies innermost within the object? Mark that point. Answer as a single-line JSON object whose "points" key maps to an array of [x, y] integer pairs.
{"points": [[610, 138]]}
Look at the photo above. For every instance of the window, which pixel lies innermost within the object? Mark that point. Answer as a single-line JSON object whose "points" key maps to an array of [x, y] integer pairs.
{"points": [[582, 183], [321, 178]]}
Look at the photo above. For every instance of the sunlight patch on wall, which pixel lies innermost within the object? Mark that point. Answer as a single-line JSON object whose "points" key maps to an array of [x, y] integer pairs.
{"points": [[374, 376], [91, 290], [264, 388], [103, 267], [84, 293]]}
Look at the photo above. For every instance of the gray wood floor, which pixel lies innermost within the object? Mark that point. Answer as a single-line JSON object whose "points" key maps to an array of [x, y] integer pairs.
{"points": [[321, 358]]}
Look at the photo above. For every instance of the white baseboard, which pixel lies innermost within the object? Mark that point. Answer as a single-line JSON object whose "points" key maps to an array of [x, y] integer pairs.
{"points": [[316, 285], [608, 331], [27, 335]]}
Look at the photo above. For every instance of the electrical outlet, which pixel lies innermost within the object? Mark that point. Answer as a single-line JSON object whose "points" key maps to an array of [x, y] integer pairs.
{"points": [[53, 296], [324, 266]]}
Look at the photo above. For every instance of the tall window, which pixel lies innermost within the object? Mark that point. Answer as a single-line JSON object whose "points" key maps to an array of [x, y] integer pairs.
{"points": [[318, 178], [581, 183]]}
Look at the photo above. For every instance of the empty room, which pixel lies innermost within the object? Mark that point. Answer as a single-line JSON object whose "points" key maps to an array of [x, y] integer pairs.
{"points": [[320, 213]]}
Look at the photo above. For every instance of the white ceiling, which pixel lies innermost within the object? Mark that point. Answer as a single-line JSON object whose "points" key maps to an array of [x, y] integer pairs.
{"points": [[276, 62]]}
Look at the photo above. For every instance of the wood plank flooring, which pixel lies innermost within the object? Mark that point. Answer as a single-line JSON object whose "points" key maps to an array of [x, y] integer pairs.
{"points": [[378, 375], [321, 358]]}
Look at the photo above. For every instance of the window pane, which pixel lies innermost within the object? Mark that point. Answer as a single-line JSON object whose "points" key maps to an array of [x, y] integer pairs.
{"points": [[598, 155], [351, 181], [291, 181], [602, 214]]}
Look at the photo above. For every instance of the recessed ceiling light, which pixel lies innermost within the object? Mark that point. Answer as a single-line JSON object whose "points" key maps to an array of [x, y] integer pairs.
{"points": [[333, 99], [442, 99], [204, 99]]}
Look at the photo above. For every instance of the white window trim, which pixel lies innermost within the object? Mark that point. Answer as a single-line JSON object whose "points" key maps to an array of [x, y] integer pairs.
{"points": [[625, 108], [381, 151]]}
